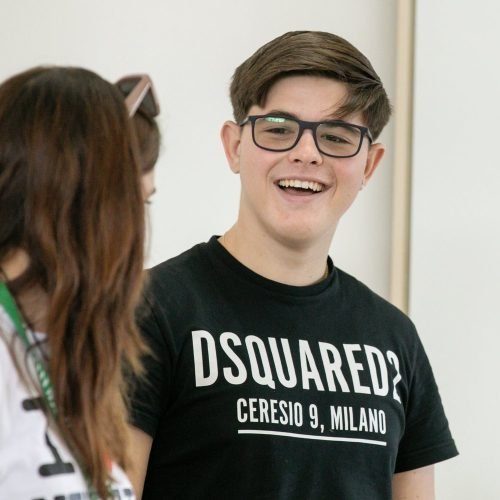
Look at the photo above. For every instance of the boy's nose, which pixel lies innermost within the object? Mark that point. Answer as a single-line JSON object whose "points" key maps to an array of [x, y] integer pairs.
{"points": [[306, 151]]}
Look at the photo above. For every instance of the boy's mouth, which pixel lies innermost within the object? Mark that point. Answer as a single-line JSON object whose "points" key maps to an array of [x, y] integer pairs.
{"points": [[299, 186]]}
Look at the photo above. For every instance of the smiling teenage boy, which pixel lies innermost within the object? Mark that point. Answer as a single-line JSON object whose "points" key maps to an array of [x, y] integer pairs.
{"points": [[274, 374]]}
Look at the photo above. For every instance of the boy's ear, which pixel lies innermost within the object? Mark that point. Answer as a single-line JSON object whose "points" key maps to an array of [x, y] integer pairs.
{"points": [[231, 137], [375, 155]]}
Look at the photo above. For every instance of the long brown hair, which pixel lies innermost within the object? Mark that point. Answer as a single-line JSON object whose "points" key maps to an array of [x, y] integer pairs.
{"points": [[70, 197]]}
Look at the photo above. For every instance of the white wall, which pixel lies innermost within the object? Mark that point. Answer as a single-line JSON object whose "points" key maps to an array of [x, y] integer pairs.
{"points": [[191, 48], [455, 263]]}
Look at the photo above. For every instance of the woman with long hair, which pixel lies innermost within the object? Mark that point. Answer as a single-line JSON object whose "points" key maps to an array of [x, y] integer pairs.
{"points": [[71, 273]]}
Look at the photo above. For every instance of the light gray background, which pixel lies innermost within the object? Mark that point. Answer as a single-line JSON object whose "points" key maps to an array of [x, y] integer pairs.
{"points": [[455, 264]]}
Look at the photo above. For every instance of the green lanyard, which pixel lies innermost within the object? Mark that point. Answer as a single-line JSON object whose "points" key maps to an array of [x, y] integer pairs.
{"points": [[8, 303]]}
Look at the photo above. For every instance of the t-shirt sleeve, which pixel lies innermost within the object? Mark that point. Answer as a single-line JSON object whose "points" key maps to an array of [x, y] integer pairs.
{"points": [[427, 438], [149, 393]]}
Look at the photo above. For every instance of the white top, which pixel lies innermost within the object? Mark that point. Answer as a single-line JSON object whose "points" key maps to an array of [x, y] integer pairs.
{"points": [[35, 464]]}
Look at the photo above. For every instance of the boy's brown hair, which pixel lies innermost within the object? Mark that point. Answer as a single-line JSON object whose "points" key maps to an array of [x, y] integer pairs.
{"points": [[315, 53]]}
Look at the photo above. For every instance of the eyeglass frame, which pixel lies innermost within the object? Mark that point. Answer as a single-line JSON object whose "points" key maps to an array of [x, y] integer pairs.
{"points": [[306, 125], [136, 96]]}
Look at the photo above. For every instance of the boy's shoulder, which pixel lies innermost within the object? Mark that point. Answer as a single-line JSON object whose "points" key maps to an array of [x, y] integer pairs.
{"points": [[181, 275], [359, 297], [181, 261]]}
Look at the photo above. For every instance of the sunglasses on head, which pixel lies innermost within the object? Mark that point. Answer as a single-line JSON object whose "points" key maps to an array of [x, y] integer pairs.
{"points": [[140, 94]]}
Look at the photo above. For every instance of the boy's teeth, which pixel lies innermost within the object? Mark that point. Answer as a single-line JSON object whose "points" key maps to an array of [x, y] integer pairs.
{"points": [[313, 186]]}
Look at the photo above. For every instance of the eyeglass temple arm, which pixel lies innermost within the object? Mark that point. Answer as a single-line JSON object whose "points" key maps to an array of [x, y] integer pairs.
{"points": [[134, 99]]}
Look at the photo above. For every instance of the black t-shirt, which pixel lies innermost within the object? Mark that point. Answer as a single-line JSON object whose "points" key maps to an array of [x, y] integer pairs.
{"points": [[259, 390]]}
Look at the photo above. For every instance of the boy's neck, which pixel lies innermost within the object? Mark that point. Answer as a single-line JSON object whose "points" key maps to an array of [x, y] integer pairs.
{"points": [[296, 265]]}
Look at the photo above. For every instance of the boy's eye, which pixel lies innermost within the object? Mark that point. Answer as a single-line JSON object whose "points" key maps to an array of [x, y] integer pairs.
{"points": [[279, 130], [335, 134], [276, 126], [334, 138]]}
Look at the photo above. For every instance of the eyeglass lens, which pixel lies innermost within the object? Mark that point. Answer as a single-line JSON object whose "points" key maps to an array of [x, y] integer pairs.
{"points": [[280, 134]]}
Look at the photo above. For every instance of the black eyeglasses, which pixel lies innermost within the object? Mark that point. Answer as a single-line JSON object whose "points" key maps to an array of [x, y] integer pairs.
{"points": [[332, 138], [139, 94]]}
